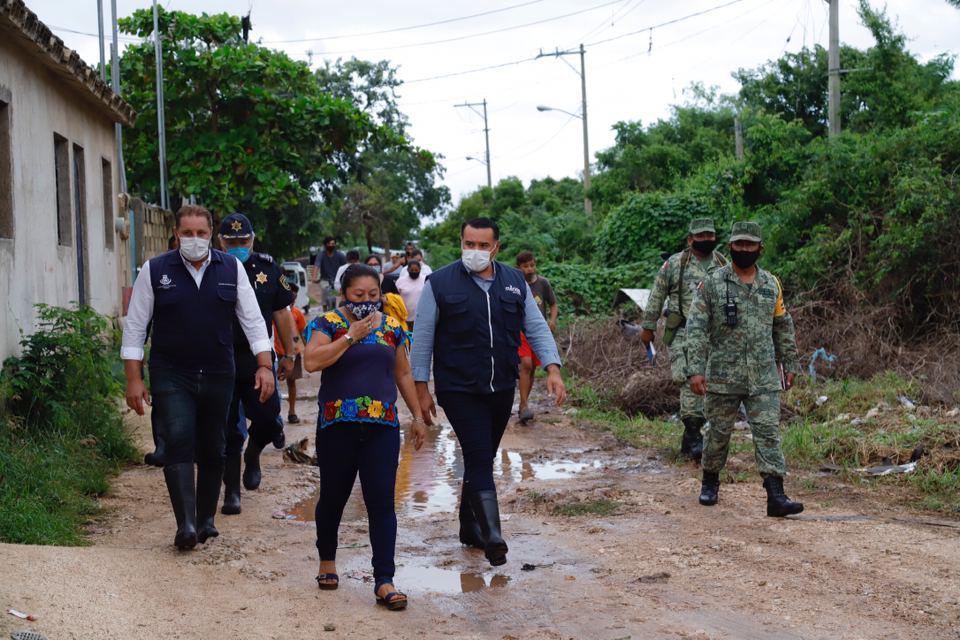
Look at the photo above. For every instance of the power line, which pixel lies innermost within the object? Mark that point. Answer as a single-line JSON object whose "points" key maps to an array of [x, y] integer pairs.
{"points": [[92, 35], [663, 24], [471, 35], [475, 70]]}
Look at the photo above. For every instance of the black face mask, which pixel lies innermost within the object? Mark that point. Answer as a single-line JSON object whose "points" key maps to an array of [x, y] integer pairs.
{"points": [[744, 259], [705, 246], [413, 274]]}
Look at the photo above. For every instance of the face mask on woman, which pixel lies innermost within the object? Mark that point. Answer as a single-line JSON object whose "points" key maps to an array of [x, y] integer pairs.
{"points": [[194, 249], [361, 310], [376, 267]]}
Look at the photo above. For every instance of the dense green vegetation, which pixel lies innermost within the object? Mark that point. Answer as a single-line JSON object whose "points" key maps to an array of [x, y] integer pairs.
{"points": [[61, 430], [871, 208]]}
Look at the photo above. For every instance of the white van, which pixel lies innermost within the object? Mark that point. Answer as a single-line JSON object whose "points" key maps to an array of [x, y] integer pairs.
{"points": [[296, 273]]}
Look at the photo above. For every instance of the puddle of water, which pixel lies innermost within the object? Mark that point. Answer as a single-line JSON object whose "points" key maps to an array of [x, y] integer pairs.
{"points": [[428, 481], [438, 580]]}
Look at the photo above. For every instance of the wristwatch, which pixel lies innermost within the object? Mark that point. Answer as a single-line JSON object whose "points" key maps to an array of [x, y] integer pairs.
{"points": [[349, 339], [290, 358]]}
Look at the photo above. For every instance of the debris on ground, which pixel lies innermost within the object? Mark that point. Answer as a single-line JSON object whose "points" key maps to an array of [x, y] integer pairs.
{"points": [[654, 578], [298, 452], [887, 469], [329, 627], [27, 635], [22, 615]]}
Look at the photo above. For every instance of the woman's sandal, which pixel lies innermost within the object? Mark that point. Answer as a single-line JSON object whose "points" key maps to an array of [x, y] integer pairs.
{"points": [[324, 581], [394, 601]]}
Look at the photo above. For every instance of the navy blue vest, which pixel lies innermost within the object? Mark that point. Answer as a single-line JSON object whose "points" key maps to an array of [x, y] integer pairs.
{"points": [[478, 333], [193, 328]]}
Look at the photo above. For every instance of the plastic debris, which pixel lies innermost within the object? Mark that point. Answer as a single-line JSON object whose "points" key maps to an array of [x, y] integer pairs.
{"points": [[819, 354], [298, 452], [329, 627], [888, 469], [907, 403], [527, 567], [22, 615], [953, 413], [822, 400], [27, 635]]}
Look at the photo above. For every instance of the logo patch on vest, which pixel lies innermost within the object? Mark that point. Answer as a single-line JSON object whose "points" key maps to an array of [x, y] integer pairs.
{"points": [[166, 282], [512, 289]]}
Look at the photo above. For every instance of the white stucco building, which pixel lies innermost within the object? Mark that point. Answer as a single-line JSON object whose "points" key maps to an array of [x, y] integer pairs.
{"points": [[59, 240]]}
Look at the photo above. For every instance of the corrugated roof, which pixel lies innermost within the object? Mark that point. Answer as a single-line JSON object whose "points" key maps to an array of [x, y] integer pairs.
{"points": [[17, 20]]}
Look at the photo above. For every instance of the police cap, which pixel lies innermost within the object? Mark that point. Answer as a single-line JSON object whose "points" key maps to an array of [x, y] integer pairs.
{"points": [[236, 225]]}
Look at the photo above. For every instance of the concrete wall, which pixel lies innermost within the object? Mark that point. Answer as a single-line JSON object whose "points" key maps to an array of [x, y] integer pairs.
{"points": [[34, 268]]}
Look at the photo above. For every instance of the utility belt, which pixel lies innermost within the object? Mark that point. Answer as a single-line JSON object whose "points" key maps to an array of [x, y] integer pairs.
{"points": [[674, 322]]}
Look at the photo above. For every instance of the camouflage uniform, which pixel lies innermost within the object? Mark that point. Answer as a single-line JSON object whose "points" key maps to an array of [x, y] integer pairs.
{"points": [[740, 362], [679, 296]]}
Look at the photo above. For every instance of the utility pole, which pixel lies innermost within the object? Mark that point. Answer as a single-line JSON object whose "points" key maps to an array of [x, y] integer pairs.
{"points": [[833, 69], [161, 125], [738, 137], [103, 57], [486, 132], [587, 205]]}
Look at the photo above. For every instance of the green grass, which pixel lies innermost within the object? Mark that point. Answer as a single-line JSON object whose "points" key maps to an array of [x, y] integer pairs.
{"points": [[599, 507]]}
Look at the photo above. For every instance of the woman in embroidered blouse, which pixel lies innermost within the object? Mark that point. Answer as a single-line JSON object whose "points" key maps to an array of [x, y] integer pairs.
{"points": [[360, 351]]}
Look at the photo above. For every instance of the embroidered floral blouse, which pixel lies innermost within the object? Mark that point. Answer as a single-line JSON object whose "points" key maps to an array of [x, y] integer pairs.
{"points": [[360, 387]]}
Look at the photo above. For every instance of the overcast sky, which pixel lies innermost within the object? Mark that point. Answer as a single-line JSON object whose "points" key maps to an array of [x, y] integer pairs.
{"points": [[634, 77]]}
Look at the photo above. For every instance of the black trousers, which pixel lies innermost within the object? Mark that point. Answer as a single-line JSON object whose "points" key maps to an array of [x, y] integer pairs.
{"points": [[190, 410], [479, 421], [265, 420]]}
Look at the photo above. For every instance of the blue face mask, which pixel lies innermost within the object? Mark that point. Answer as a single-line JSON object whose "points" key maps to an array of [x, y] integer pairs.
{"points": [[361, 310], [240, 253]]}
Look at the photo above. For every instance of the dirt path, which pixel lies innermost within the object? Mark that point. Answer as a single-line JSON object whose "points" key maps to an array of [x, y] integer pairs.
{"points": [[660, 566]]}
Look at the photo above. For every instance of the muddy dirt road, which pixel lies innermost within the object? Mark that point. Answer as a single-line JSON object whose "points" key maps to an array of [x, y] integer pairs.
{"points": [[659, 566]]}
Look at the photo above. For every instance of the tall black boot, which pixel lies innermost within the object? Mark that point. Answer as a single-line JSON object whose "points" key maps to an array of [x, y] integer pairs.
{"points": [[251, 470], [487, 512], [183, 497], [231, 485], [470, 533], [778, 504], [209, 478], [692, 443], [710, 489]]}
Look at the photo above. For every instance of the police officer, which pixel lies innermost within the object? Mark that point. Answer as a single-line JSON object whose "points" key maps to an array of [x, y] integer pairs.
{"points": [[191, 297], [273, 297], [675, 284], [737, 332], [469, 320]]}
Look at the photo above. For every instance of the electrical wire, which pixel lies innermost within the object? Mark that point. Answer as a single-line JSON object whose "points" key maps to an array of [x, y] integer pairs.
{"points": [[664, 24]]}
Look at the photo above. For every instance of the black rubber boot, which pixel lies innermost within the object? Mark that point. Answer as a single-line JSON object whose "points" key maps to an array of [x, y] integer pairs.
{"points": [[183, 497], [778, 504], [487, 511], [251, 470], [470, 533], [710, 489], [208, 495], [231, 485], [691, 445]]}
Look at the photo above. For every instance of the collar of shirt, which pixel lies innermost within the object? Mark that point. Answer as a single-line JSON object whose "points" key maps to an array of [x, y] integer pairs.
{"points": [[477, 277]]}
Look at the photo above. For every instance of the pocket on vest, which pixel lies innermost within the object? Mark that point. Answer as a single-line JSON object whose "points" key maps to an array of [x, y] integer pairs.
{"points": [[512, 317], [229, 294], [455, 314]]}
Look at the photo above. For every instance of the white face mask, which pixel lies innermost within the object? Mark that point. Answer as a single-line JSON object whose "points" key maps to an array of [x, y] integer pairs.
{"points": [[194, 249], [476, 260]]}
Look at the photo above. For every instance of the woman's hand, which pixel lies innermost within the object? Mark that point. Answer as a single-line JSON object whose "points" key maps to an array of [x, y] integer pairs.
{"points": [[418, 431], [360, 329]]}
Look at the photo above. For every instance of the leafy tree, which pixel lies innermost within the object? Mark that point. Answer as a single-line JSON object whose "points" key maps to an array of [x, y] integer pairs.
{"points": [[246, 126]]}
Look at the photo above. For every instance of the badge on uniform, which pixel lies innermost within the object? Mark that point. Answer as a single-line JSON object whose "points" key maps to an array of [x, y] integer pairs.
{"points": [[284, 283], [261, 278], [166, 282]]}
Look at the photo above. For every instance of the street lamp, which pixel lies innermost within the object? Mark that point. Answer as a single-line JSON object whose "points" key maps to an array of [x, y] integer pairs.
{"points": [[480, 160], [587, 205]]}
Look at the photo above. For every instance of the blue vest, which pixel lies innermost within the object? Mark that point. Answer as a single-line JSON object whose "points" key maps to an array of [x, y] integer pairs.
{"points": [[193, 328], [478, 333]]}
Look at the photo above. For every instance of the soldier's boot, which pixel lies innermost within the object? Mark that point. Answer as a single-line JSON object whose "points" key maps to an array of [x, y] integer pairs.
{"points": [[778, 504], [231, 485], [710, 489], [692, 443], [251, 471], [470, 533], [183, 497], [208, 495], [487, 512]]}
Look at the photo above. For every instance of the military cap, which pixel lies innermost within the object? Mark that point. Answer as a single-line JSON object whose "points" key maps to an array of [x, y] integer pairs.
{"points": [[749, 231], [701, 225], [236, 225]]}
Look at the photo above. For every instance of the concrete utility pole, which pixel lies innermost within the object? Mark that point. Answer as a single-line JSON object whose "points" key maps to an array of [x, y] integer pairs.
{"points": [[587, 205], [738, 137], [833, 69], [161, 125], [486, 132], [103, 57]]}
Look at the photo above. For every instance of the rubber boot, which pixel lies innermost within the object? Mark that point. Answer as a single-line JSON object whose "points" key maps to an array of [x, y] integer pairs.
{"points": [[470, 533], [231, 485], [183, 497], [251, 470], [487, 512], [710, 489], [778, 504], [691, 445], [208, 495]]}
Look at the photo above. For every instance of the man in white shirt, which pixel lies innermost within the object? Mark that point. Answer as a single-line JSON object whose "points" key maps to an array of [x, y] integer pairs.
{"points": [[190, 297]]}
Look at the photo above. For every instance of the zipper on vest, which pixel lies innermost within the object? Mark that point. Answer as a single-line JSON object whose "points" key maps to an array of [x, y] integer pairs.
{"points": [[490, 325]]}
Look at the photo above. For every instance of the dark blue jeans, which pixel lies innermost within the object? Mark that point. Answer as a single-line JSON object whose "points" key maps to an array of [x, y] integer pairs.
{"points": [[190, 410], [265, 420], [479, 421], [373, 451]]}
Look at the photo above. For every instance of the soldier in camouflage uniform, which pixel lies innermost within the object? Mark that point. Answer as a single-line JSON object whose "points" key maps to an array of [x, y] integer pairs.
{"points": [[676, 284], [737, 332]]}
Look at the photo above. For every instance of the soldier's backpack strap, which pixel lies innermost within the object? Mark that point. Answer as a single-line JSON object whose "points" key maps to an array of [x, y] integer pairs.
{"points": [[719, 260], [684, 259]]}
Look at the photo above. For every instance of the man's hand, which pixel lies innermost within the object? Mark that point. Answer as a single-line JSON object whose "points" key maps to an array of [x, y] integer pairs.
{"points": [[263, 380], [553, 325], [137, 396], [427, 406], [788, 378], [646, 336], [555, 386], [698, 384]]}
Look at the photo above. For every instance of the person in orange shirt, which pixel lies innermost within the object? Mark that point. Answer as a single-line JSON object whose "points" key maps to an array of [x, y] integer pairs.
{"points": [[301, 323]]}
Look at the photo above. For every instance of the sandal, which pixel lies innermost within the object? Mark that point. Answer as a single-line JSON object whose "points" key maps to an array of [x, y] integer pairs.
{"points": [[394, 601], [323, 581]]}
